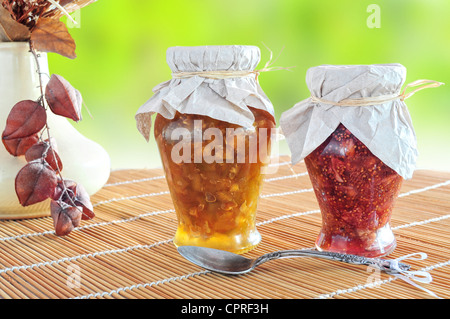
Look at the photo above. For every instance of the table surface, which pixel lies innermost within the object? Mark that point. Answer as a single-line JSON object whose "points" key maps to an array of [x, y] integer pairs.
{"points": [[126, 251]]}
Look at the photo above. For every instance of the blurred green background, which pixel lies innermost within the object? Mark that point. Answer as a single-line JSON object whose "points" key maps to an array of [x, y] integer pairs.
{"points": [[121, 47]]}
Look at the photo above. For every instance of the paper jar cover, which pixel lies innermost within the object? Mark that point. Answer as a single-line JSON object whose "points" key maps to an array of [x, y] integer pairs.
{"points": [[386, 128], [225, 99]]}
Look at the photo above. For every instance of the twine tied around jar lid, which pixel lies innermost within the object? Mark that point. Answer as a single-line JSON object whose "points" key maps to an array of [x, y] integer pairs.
{"points": [[229, 74], [366, 101]]}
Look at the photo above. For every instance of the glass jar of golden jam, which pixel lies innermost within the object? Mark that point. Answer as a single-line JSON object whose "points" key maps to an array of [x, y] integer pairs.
{"points": [[213, 131], [216, 198]]}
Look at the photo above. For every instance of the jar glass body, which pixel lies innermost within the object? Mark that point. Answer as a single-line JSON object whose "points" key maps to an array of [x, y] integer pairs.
{"points": [[356, 193], [214, 174]]}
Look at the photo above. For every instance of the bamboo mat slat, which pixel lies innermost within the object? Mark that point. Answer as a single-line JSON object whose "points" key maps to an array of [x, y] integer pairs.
{"points": [[126, 251]]}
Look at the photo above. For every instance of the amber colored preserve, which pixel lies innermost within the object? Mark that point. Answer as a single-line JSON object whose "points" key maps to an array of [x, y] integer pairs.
{"points": [[356, 194], [215, 201]]}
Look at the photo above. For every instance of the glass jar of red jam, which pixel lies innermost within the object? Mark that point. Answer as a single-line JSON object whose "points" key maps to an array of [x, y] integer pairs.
{"points": [[356, 193], [356, 136]]}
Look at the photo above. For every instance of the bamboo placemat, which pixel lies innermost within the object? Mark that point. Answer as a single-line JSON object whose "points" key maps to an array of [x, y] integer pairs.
{"points": [[127, 250]]}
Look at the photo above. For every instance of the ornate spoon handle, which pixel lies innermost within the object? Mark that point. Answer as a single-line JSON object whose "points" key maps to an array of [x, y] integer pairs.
{"points": [[388, 266]]}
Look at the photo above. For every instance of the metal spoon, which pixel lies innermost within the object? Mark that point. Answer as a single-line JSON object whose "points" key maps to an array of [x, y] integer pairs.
{"points": [[229, 263]]}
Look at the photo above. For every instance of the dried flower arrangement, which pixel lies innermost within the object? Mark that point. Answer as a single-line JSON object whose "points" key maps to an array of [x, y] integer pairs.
{"points": [[27, 132]]}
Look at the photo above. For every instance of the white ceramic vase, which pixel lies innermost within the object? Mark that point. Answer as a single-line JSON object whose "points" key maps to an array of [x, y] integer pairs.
{"points": [[84, 161]]}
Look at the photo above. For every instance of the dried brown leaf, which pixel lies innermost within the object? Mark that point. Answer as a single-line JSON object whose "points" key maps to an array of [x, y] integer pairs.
{"points": [[35, 182], [25, 118], [83, 199], [10, 29], [20, 146], [65, 217], [50, 35], [74, 194], [62, 98], [47, 152]]}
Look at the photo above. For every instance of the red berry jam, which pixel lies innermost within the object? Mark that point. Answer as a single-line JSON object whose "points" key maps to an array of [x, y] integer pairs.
{"points": [[356, 193]]}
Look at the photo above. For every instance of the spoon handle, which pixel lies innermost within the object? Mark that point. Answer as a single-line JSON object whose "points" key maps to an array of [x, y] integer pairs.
{"points": [[388, 266]]}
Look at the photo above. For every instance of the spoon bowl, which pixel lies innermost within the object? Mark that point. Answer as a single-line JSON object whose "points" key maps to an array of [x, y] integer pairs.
{"points": [[217, 260]]}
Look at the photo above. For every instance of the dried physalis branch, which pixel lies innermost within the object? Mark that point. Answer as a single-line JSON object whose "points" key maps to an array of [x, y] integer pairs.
{"points": [[40, 179], [37, 21]]}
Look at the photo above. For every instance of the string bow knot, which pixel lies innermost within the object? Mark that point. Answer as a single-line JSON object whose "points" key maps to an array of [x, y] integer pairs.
{"points": [[411, 276]]}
